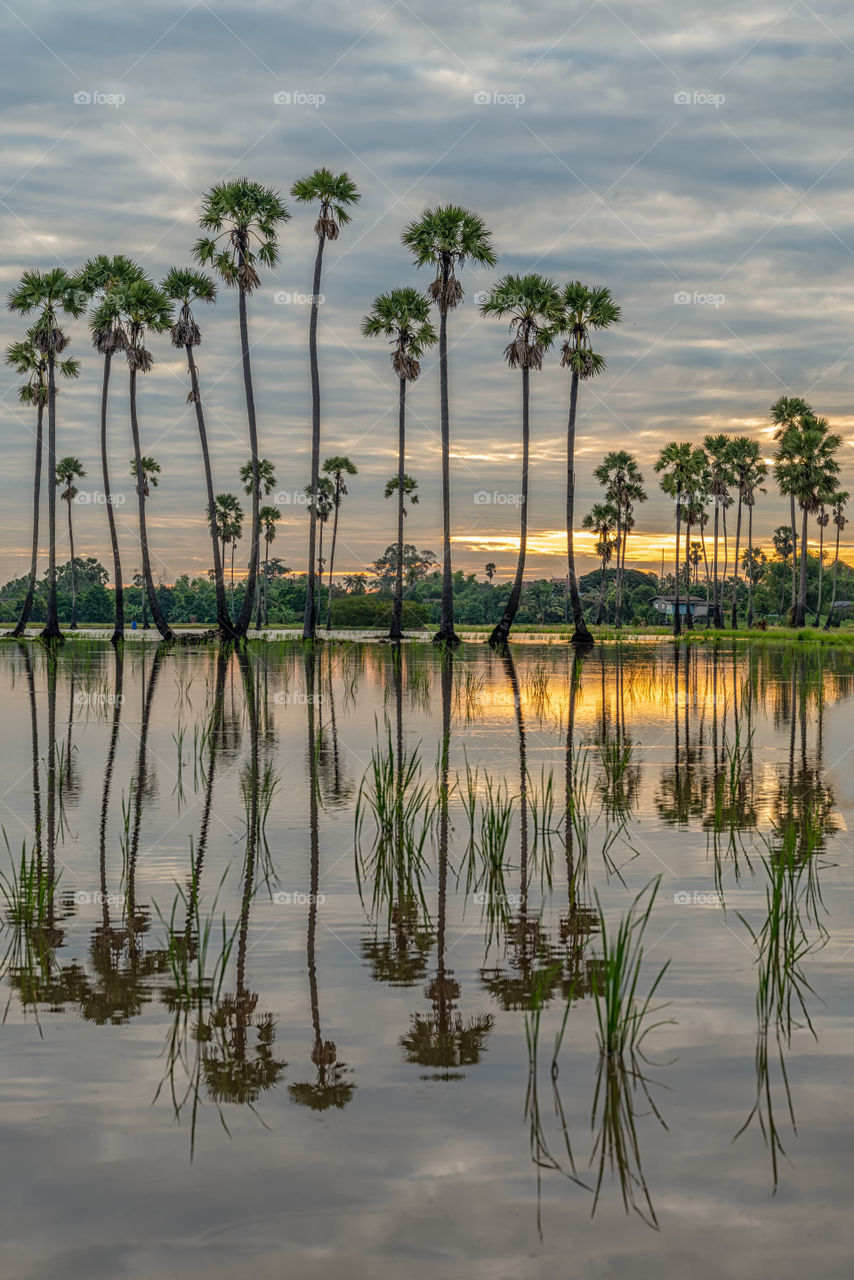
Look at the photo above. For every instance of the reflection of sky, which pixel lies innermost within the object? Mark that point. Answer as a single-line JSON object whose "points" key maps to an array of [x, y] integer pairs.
{"points": [[417, 1172], [600, 173]]}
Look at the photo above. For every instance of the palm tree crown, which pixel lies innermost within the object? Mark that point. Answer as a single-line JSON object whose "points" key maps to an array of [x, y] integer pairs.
{"points": [[244, 217], [584, 308], [334, 192], [403, 316], [533, 303], [185, 285], [446, 238]]}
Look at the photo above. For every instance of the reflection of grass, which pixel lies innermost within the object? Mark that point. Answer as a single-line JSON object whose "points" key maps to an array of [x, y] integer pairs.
{"points": [[621, 1013], [27, 892]]}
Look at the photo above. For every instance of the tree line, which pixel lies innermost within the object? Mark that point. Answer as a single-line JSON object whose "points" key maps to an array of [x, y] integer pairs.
{"points": [[241, 221]]}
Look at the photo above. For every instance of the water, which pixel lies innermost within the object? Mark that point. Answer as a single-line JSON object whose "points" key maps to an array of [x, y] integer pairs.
{"points": [[244, 1037]]}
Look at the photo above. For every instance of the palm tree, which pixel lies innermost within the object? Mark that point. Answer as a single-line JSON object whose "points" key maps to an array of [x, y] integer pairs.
{"points": [[333, 192], [267, 481], [806, 468], [584, 309], [185, 286], [96, 278], [446, 238], [754, 473], [67, 471], [603, 519], [269, 516], [533, 304], [678, 465], [786, 414], [837, 503], [622, 480], [403, 316], [822, 520], [748, 470], [695, 496], [138, 307], [28, 360], [490, 569], [721, 480], [244, 217], [49, 293], [320, 509], [336, 468], [228, 520]]}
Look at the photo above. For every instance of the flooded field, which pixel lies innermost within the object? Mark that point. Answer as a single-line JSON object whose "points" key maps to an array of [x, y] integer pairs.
{"points": [[371, 964]]}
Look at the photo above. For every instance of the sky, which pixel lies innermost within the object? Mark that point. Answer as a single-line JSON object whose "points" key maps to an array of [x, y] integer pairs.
{"points": [[697, 160]]}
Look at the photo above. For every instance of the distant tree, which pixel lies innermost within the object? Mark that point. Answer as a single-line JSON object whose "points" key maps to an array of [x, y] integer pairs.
{"points": [[490, 569], [67, 471]]}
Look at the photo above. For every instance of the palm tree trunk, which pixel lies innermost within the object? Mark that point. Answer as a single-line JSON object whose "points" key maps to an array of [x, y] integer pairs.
{"points": [[309, 626], [581, 635], [750, 565], [706, 567], [601, 605], [618, 601], [332, 554], [51, 629], [677, 618], [34, 559], [794, 556], [833, 595], [502, 630], [119, 625], [718, 621], [396, 632], [726, 566], [735, 568], [689, 617], [266, 581], [817, 622], [227, 632], [232, 575], [73, 624], [801, 607], [156, 611], [242, 624], [446, 633]]}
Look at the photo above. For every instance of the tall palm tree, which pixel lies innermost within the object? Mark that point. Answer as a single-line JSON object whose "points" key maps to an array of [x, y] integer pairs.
{"points": [[140, 308], [50, 293], [28, 360], [603, 519], [409, 490], [721, 481], [805, 466], [267, 481], [446, 238], [403, 316], [334, 193], [67, 471], [679, 465], [244, 217], [336, 468], [837, 503], [185, 286], [786, 414], [96, 278], [822, 520], [584, 309], [533, 304], [269, 516], [754, 474], [748, 471], [228, 520], [320, 509], [622, 480]]}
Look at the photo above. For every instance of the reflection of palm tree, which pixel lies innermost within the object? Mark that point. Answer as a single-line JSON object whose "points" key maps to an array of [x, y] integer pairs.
{"points": [[142, 788], [330, 1089], [442, 1040]]}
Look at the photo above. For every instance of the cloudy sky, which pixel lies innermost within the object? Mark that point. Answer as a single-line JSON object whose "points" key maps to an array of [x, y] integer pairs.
{"points": [[671, 152]]}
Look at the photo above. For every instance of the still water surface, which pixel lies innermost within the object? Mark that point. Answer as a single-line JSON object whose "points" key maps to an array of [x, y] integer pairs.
{"points": [[268, 1024]]}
